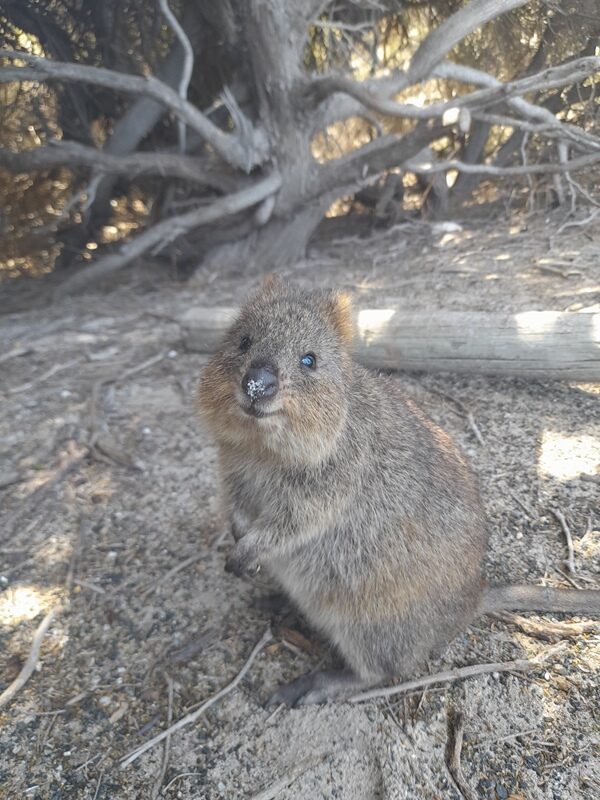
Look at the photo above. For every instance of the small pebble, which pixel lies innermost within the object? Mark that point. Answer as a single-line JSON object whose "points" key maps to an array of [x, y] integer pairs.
{"points": [[64, 393], [146, 431], [501, 791], [172, 353]]}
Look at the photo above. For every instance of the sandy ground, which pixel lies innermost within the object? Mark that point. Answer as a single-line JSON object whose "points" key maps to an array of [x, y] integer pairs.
{"points": [[127, 540]]}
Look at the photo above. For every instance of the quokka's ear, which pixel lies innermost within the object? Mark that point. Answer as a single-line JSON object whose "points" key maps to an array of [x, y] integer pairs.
{"points": [[338, 306]]}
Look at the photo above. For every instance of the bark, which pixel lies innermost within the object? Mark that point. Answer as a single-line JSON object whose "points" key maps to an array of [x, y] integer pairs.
{"points": [[540, 345]]}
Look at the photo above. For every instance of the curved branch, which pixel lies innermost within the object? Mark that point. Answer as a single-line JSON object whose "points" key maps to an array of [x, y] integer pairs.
{"points": [[465, 74], [375, 93], [490, 169], [550, 78], [356, 168], [188, 64], [73, 154], [226, 145], [169, 229], [440, 41]]}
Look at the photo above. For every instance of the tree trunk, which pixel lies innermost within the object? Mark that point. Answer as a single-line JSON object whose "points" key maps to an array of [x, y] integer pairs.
{"points": [[278, 243]]}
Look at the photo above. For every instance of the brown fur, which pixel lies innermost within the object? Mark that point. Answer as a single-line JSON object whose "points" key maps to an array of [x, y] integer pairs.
{"points": [[360, 506]]}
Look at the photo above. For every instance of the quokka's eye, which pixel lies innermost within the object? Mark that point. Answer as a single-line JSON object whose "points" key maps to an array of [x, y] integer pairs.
{"points": [[309, 360], [245, 344]]}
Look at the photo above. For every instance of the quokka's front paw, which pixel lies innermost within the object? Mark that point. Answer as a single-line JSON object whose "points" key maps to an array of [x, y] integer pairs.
{"points": [[242, 561]]}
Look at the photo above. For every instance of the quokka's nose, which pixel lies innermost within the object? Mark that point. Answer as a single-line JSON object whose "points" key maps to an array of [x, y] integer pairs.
{"points": [[260, 381]]}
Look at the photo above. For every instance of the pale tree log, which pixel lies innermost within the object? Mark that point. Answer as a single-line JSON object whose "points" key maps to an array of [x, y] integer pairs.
{"points": [[544, 345]]}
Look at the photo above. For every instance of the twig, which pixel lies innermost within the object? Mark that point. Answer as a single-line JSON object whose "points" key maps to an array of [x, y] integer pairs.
{"points": [[568, 578], [579, 223], [190, 719], [89, 585], [456, 730], [464, 410], [270, 792], [178, 777], [523, 505], [518, 665], [16, 352], [165, 758], [25, 387], [551, 631], [475, 429], [150, 362], [99, 784], [32, 659], [187, 562], [570, 562], [86, 763], [494, 739]]}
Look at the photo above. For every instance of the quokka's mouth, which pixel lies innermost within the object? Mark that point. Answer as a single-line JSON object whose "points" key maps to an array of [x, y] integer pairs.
{"points": [[258, 413]]}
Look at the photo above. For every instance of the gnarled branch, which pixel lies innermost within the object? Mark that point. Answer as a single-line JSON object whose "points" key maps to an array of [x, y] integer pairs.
{"points": [[490, 169], [227, 145], [169, 229], [375, 94], [354, 169], [73, 154]]}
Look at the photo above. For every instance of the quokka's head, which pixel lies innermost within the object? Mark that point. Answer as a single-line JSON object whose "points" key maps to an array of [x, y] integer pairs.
{"points": [[278, 382]]}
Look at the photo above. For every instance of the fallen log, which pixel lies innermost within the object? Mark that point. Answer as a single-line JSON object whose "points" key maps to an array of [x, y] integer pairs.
{"points": [[531, 344]]}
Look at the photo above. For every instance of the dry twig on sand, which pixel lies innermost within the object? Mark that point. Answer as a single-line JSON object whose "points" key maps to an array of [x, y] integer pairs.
{"points": [[189, 719], [570, 562], [460, 673], [548, 629], [456, 729], [463, 409], [32, 659], [166, 753]]}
